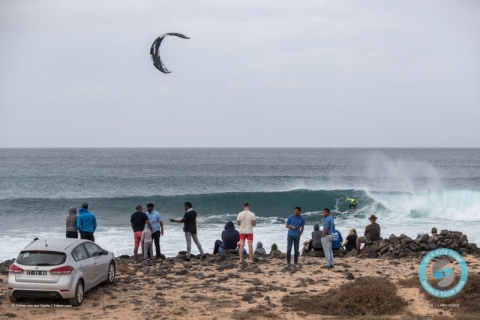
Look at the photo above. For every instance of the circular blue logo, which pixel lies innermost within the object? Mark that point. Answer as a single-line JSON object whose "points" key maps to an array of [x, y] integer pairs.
{"points": [[442, 272]]}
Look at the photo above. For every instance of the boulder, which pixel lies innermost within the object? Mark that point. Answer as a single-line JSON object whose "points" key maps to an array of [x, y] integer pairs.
{"points": [[383, 250], [453, 245], [424, 238], [406, 240], [393, 239], [424, 247], [414, 247], [433, 239], [472, 246], [316, 254]]}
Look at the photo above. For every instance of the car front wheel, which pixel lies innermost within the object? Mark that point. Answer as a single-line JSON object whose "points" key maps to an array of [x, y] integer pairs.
{"points": [[111, 273], [78, 299]]}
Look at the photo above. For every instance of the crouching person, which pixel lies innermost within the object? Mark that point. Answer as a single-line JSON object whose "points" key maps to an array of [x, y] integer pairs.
{"points": [[230, 237]]}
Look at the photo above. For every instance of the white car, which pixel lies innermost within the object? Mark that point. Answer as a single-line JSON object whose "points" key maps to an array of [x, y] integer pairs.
{"points": [[59, 268]]}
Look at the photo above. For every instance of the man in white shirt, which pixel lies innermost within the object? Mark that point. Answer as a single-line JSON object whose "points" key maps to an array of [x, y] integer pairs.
{"points": [[246, 221]]}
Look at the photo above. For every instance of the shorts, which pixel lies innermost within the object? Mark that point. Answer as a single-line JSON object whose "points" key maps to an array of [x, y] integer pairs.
{"points": [[362, 239], [248, 236], [137, 236]]}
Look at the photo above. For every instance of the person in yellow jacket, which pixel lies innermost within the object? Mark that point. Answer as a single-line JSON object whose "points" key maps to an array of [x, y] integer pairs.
{"points": [[353, 203]]}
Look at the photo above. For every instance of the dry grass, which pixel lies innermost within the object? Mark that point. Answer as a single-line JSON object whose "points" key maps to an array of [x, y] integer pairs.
{"points": [[366, 296], [253, 314], [412, 282]]}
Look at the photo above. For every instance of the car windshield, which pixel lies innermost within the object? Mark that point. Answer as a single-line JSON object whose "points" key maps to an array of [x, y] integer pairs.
{"points": [[41, 258]]}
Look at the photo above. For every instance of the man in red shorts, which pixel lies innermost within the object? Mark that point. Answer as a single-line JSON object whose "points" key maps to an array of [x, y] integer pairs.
{"points": [[138, 221], [246, 221]]}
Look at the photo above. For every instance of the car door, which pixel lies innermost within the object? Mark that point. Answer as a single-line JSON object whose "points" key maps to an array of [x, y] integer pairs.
{"points": [[98, 262], [85, 265]]}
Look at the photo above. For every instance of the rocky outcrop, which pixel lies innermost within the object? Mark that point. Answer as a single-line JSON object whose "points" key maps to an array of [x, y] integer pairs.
{"points": [[403, 246]]}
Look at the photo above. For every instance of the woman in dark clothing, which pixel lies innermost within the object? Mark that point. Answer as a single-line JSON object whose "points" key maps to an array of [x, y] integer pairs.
{"points": [[230, 237], [351, 241]]}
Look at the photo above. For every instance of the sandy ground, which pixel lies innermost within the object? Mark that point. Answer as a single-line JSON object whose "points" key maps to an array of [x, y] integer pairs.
{"points": [[205, 289]]}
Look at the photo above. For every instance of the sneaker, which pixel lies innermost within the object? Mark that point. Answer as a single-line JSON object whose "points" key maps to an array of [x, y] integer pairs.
{"points": [[144, 262], [186, 259], [287, 265], [296, 265]]}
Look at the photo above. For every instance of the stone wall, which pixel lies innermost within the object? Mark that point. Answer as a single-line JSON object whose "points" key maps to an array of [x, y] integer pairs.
{"points": [[403, 246]]}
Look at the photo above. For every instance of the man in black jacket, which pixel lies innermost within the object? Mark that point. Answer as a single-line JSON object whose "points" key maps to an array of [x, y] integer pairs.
{"points": [[230, 238], [189, 221]]}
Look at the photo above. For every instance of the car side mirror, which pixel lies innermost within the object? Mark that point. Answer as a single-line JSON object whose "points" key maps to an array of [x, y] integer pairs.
{"points": [[104, 252]]}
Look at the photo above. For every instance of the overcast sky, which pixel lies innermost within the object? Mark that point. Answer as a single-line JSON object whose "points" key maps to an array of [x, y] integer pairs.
{"points": [[254, 74]]}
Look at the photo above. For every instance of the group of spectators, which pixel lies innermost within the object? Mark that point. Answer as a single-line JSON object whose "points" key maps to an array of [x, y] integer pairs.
{"points": [[148, 227]]}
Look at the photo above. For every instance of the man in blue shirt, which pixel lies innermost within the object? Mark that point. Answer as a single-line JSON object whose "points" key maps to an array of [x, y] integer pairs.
{"points": [[295, 224], [328, 227], [337, 239], [86, 223], [157, 227]]}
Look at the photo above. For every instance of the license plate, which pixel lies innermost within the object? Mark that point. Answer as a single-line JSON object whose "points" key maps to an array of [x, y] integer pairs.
{"points": [[36, 273]]}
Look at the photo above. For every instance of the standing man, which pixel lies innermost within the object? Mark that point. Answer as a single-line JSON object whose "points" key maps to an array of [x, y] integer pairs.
{"points": [[138, 221], [157, 228], [190, 228], [246, 221], [372, 232], [86, 223], [295, 224], [328, 226]]}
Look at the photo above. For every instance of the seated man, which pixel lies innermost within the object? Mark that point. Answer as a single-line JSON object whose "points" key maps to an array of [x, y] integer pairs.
{"points": [[316, 242], [336, 240], [230, 237], [372, 232]]}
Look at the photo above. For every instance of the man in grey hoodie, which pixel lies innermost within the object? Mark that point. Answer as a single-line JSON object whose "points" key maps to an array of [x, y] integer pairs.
{"points": [[72, 223]]}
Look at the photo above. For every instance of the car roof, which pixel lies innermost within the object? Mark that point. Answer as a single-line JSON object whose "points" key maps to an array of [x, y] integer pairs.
{"points": [[53, 244]]}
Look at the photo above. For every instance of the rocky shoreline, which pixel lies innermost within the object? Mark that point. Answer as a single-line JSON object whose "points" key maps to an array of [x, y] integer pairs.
{"points": [[218, 287], [401, 246]]}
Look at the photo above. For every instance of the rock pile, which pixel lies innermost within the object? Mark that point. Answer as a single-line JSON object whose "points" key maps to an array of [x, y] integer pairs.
{"points": [[403, 246]]}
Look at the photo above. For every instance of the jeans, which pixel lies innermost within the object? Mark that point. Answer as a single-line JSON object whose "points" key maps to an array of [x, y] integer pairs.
{"points": [[156, 239], [188, 237], [72, 234], [296, 242], [87, 236], [327, 249], [217, 246]]}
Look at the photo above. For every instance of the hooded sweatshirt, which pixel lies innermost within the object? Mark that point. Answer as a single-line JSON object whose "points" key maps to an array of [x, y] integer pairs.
{"points": [[230, 236], [72, 219], [86, 221], [260, 250]]}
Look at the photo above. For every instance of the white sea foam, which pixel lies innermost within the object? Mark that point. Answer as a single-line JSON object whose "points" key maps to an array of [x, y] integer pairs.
{"points": [[120, 239]]}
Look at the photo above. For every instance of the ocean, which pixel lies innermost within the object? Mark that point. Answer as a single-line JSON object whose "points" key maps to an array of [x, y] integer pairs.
{"points": [[410, 190]]}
